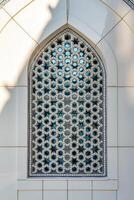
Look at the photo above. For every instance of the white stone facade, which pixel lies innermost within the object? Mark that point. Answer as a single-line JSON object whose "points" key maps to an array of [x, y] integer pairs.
{"points": [[109, 25]]}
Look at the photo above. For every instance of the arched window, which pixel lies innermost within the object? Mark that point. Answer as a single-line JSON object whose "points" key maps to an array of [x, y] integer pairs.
{"points": [[67, 109]]}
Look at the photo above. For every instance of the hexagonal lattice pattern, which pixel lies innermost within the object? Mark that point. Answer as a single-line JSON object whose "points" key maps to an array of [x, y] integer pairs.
{"points": [[67, 109]]}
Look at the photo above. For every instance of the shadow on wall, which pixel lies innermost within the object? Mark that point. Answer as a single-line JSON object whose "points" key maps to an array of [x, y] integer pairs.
{"points": [[17, 76], [13, 77]]}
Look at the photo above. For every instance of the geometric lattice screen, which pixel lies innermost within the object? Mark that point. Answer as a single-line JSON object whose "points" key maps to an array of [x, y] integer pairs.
{"points": [[67, 109]]}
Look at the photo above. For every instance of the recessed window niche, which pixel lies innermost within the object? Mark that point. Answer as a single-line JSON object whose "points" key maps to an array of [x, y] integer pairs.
{"points": [[67, 108]]}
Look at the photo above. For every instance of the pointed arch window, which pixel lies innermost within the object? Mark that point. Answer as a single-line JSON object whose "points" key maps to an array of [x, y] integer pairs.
{"points": [[67, 109]]}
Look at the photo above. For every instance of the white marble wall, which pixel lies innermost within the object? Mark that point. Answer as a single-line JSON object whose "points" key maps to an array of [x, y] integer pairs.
{"points": [[109, 25]]}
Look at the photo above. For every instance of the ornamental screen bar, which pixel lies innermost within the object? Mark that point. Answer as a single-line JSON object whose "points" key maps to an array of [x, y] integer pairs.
{"points": [[67, 109]]}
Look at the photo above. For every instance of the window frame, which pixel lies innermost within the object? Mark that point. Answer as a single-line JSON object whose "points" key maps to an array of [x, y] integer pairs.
{"points": [[33, 58]]}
